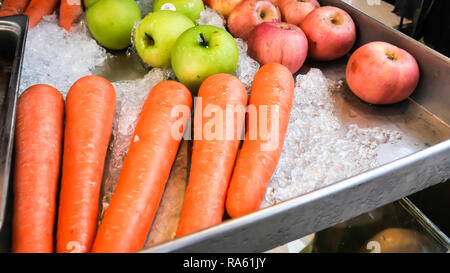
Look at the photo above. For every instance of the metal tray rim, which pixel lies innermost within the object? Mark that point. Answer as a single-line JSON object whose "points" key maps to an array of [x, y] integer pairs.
{"points": [[339, 186]]}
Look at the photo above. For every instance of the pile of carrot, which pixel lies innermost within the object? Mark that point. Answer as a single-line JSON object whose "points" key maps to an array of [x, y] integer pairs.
{"points": [[69, 10], [213, 182], [89, 112], [220, 177]]}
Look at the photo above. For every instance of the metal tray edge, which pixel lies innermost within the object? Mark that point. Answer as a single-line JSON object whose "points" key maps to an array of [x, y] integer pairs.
{"points": [[21, 23]]}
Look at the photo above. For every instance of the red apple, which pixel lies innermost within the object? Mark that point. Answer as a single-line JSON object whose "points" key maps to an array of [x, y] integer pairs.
{"points": [[294, 11], [277, 42], [330, 32], [381, 73], [224, 7], [250, 13]]}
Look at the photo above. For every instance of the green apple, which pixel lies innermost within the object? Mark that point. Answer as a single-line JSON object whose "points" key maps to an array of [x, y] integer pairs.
{"points": [[88, 3], [156, 34], [202, 51], [111, 22], [190, 8]]}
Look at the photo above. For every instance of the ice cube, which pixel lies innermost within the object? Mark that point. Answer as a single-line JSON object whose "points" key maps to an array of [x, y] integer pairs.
{"points": [[247, 67], [211, 17], [57, 57]]}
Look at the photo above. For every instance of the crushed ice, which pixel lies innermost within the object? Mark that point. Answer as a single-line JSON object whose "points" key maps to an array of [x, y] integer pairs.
{"points": [[318, 150], [247, 67], [56, 57], [211, 17], [145, 6]]}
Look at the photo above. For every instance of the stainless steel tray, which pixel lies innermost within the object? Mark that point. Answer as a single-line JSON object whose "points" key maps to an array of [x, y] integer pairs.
{"points": [[421, 159], [13, 31]]}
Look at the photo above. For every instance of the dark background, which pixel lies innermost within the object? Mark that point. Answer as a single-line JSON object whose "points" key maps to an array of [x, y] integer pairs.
{"points": [[431, 21]]}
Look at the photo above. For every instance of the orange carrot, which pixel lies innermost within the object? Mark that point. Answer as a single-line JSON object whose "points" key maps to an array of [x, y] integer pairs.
{"points": [[272, 86], [38, 9], [213, 157], [90, 107], [39, 130], [69, 13], [13, 7], [145, 170]]}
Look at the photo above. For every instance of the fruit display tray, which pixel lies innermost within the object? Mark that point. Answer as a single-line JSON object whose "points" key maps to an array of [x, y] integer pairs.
{"points": [[420, 159]]}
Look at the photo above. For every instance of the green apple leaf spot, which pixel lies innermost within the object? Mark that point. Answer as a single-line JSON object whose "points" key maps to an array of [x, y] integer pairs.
{"points": [[148, 40]]}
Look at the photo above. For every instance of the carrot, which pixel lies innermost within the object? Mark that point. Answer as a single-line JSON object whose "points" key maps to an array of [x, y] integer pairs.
{"points": [[272, 86], [213, 157], [145, 170], [90, 107], [13, 7], [38, 144], [38, 9], [69, 13]]}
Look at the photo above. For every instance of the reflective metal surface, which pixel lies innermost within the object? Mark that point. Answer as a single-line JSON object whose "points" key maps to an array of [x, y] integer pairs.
{"points": [[13, 30]]}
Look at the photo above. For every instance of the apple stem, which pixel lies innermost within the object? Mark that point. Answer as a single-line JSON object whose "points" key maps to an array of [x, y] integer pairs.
{"points": [[150, 39], [391, 56], [204, 42]]}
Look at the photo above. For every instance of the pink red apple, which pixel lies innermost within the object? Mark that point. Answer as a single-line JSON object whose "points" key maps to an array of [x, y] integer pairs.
{"points": [[249, 14], [294, 11], [330, 31], [277, 42], [224, 7], [381, 73]]}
